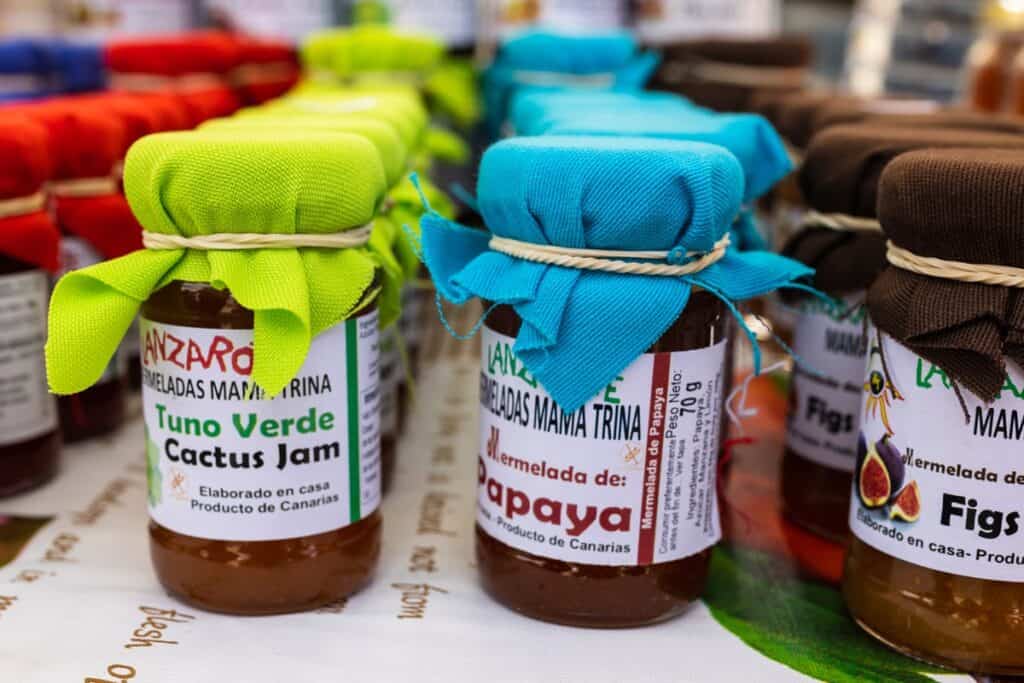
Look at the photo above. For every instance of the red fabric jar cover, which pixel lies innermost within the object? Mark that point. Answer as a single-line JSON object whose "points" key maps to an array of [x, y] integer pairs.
{"points": [[193, 65], [268, 69], [25, 166], [86, 141]]}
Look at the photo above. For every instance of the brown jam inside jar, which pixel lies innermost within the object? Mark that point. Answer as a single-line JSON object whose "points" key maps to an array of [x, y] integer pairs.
{"points": [[961, 622], [29, 462], [253, 577], [816, 497], [601, 596]]}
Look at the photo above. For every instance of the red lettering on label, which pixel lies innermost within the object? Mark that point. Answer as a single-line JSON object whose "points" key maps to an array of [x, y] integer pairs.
{"points": [[220, 353]]}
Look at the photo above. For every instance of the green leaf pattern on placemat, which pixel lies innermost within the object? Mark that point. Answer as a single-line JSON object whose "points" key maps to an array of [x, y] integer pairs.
{"points": [[798, 623]]}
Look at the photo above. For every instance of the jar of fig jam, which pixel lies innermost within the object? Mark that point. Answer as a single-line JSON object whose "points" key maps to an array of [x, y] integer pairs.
{"points": [[599, 574], [29, 435], [841, 240], [196, 495], [602, 368], [935, 568], [260, 370]]}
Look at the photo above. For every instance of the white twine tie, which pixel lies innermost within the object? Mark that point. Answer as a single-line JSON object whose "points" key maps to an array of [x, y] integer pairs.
{"points": [[609, 261], [22, 206], [241, 241], [976, 273]]}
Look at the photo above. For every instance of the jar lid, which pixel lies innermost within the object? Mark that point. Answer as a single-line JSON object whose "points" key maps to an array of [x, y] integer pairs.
{"points": [[782, 51], [27, 233], [561, 210], [346, 52], [962, 206], [174, 55], [403, 109], [843, 164], [86, 140], [910, 114], [393, 153], [243, 211]]}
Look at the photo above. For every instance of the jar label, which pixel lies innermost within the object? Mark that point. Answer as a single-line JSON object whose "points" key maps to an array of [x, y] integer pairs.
{"points": [[626, 480], [825, 408], [226, 463], [390, 376], [27, 409], [662, 21], [933, 488]]}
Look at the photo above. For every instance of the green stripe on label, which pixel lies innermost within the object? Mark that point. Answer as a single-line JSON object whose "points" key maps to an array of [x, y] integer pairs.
{"points": [[352, 377]]}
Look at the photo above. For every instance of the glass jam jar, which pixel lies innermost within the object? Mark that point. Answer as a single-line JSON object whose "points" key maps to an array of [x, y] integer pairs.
{"points": [[935, 568], [605, 517], [29, 437], [258, 506], [824, 416]]}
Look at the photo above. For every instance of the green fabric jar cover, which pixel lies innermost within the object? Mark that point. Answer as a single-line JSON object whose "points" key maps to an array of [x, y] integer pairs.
{"points": [[204, 183]]}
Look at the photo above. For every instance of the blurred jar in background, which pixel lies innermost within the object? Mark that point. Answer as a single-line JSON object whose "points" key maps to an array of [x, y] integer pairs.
{"points": [[992, 62]]}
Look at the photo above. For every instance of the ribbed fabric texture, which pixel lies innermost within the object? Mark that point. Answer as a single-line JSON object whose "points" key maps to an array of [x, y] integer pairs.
{"points": [[844, 261], [279, 55], [843, 164], [86, 139], [207, 52], [25, 57], [174, 54], [673, 75], [533, 111], [25, 164], [963, 205], [402, 109], [748, 136], [581, 328], [379, 56], [387, 238], [843, 112], [347, 52], [219, 182], [614, 54]]}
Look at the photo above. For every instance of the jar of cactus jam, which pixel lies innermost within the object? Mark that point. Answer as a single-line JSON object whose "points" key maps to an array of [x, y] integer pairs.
{"points": [[935, 568], [260, 370], [257, 506]]}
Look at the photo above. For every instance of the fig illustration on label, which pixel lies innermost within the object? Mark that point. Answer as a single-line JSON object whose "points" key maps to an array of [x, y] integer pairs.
{"points": [[932, 488]]}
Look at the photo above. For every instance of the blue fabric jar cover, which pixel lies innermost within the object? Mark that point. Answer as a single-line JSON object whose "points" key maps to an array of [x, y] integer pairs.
{"points": [[551, 61], [581, 328]]}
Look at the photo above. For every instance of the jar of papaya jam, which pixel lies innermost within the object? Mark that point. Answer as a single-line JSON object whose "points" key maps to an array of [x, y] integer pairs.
{"points": [[285, 518], [29, 437], [935, 568], [575, 511]]}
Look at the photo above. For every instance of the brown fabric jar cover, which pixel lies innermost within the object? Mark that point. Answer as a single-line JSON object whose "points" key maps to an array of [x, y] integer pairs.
{"points": [[681, 60], [841, 175], [839, 113], [962, 205]]}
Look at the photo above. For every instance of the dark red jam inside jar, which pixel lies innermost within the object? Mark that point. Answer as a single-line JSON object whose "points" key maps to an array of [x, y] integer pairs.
{"points": [[29, 436]]}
